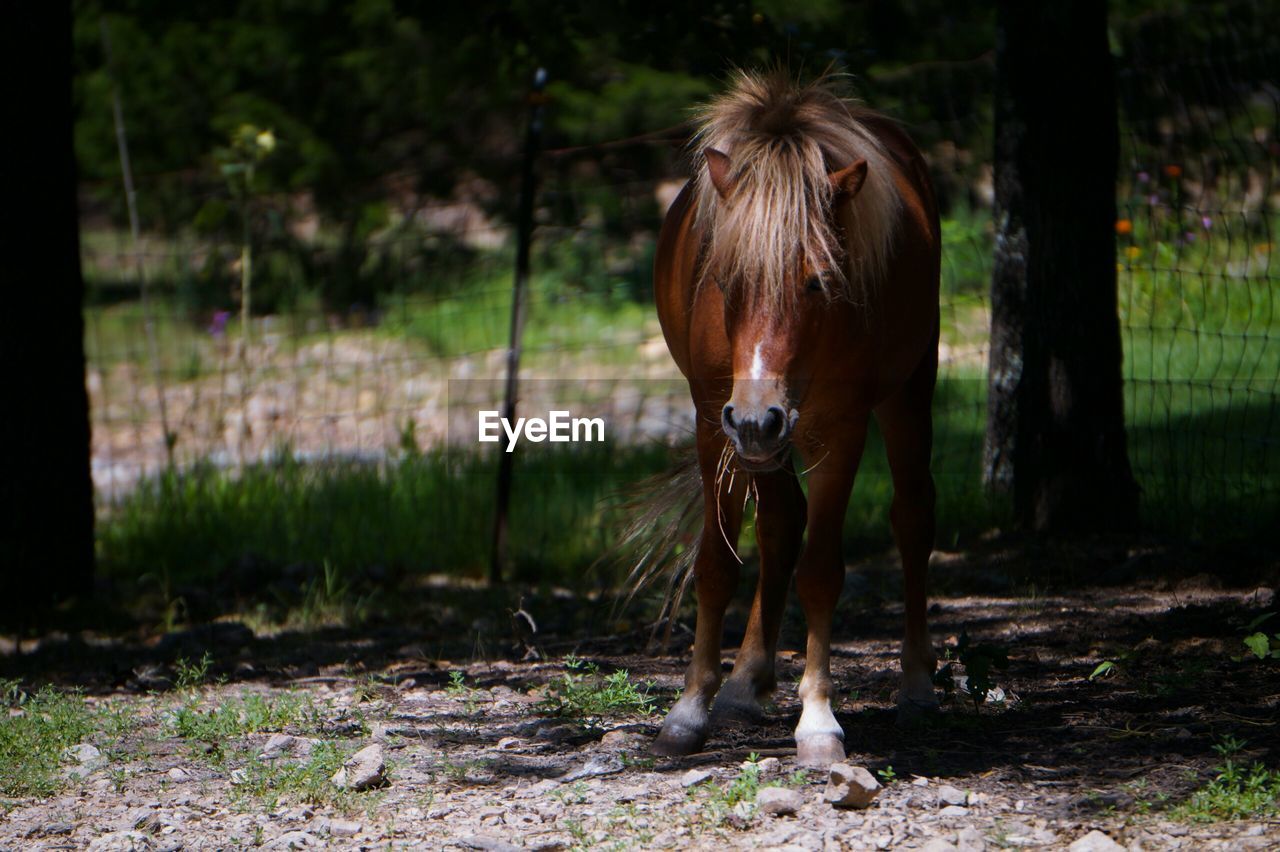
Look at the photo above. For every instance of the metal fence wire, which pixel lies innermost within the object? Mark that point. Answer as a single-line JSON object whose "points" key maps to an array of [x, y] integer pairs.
{"points": [[363, 348]]}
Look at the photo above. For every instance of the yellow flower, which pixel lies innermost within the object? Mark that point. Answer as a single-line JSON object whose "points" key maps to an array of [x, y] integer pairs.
{"points": [[1133, 252], [266, 140]]}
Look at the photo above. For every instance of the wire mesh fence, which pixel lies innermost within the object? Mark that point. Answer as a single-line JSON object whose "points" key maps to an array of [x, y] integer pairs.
{"points": [[381, 343]]}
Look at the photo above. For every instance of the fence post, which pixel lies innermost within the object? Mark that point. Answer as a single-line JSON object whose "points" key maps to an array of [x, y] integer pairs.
{"points": [[524, 234]]}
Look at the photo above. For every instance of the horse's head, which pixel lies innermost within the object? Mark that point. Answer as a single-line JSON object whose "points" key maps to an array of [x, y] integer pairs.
{"points": [[774, 323]]}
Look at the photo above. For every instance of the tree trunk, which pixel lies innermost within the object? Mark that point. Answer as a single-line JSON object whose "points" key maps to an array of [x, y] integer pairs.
{"points": [[46, 493], [1055, 426]]}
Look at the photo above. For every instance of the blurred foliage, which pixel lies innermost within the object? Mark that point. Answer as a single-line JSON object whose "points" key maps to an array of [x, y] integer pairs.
{"points": [[357, 91], [378, 106]]}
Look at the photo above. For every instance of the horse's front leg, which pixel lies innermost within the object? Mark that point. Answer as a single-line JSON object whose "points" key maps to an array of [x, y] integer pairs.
{"points": [[715, 574], [819, 580], [780, 520]]}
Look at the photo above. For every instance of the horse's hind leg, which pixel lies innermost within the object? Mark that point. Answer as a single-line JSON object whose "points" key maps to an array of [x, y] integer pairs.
{"points": [[906, 423], [780, 519], [715, 573], [819, 580]]}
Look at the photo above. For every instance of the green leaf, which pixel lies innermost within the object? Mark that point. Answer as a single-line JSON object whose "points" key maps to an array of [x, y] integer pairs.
{"points": [[1257, 622], [1259, 644], [1104, 668]]}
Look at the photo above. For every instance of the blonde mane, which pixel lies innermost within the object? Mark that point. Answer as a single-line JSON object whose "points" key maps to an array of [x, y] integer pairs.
{"points": [[782, 140]]}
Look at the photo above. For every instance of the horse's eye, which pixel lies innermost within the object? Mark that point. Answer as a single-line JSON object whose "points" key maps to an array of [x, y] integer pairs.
{"points": [[814, 284]]}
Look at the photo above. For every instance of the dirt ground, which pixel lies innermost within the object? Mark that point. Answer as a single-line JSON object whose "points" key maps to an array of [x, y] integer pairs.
{"points": [[479, 755]]}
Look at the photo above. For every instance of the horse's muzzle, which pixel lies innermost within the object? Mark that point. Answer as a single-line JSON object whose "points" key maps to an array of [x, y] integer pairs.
{"points": [[758, 436]]}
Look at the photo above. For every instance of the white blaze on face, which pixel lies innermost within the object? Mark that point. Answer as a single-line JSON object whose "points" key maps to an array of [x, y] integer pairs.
{"points": [[757, 363]]}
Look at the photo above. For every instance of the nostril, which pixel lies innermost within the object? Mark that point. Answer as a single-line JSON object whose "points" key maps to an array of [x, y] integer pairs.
{"points": [[775, 422], [726, 415]]}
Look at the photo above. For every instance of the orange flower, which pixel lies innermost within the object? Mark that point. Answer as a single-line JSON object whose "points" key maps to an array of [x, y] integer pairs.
{"points": [[1173, 171], [1124, 226]]}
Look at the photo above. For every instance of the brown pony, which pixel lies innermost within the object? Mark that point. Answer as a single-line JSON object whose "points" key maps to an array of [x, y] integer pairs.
{"points": [[796, 280]]}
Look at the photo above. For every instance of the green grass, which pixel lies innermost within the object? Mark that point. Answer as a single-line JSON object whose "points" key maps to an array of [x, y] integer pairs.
{"points": [[720, 800], [1236, 792], [268, 783], [38, 727], [213, 729], [584, 694], [428, 513], [608, 324]]}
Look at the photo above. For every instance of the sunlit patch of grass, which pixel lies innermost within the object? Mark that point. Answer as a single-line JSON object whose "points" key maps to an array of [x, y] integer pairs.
{"points": [[213, 729], [34, 732], [269, 783], [584, 694], [1236, 792]]}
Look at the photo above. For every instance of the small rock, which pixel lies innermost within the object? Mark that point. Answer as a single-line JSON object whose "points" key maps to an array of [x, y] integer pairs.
{"points": [[949, 795], [740, 816], [558, 733], [694, 777], [488, 844], [953, 811], [178, 774], [87, 759], [1095, 841], [767, 766], [141, 819], [121, 841], [344, 828], [548, 844], [624, 741], [779, 801], [596, 765], [851, 786], [239, 776], [919, 781], [82, 753], [508, 742], [546, 785], [937, 844], [971, 840], [294, 840], [279, 745], [363, 770]]}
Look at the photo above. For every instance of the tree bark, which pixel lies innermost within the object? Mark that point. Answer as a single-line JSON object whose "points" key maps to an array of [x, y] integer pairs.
{"points": [[1055, 426], [46, 492]]}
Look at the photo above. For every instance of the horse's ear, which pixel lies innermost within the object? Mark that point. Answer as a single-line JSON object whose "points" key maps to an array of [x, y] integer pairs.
{"points": [[718, 169], [848, 181]]}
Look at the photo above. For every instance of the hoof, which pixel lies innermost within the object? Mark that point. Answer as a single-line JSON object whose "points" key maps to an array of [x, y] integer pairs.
{"points": [[677, 742], [736, 712], [819, 751], [913, 712]]}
